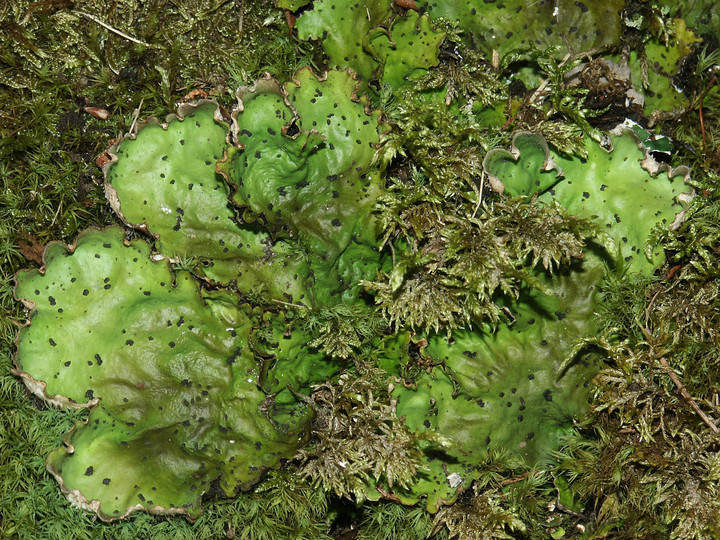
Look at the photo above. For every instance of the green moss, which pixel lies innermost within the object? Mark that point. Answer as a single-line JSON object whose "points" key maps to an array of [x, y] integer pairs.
{"points": [[642, 452]]}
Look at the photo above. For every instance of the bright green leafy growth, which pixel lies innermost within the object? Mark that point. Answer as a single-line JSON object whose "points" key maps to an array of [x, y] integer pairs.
{"points": [[470, 78], [390, 326], [520, 387], [314, 183], [516, 24], [451, 265], [163, 180], [292, 5], [405, 50], [195, 383], [614, 189], [515, 390], [342, 28], [654, 68], [342, 330], [373, 40], [171, 366]]}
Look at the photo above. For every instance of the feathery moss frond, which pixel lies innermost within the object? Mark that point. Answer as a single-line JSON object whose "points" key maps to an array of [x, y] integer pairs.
{"points": [[358, 438]]}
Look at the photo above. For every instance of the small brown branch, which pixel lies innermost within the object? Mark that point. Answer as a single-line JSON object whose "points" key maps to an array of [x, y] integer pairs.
{"points": [[702, 123], [114, 30], [480, 195], [299, 306], [137, 115], [700, 105], [520, 478], [684, 393], [647, 312]]}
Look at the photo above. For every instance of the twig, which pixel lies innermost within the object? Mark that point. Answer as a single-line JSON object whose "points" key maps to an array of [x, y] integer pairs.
{"points": [[56, 214], [684, 393], [479, 202], [540, 89], [520, 478], [114, 30], [678, 383], [702, 123], [289, 304], [647, 311], [135, 118]]}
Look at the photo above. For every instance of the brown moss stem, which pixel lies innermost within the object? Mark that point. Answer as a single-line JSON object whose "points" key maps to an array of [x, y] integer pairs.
{"points": [[684, 393]]}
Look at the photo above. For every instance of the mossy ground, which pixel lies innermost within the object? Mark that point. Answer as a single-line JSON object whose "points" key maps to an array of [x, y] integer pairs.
{"points": [[58, 62]]}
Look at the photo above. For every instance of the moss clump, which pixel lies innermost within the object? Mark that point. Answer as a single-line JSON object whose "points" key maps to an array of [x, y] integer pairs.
{"points": [[648, 443]]}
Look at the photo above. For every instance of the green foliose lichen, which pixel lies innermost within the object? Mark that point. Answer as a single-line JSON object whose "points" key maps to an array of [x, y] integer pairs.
{"points": [[381, 302]]}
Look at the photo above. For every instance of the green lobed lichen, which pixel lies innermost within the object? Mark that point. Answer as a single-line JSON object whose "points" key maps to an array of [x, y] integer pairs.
{"points": [[276, 209]]}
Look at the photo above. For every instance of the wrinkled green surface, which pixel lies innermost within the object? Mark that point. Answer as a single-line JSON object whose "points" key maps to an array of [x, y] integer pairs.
{"points": [[523, 362], [316, 178], [192, 382], [196, 385], [289, 361], [165, 178], [506, 391], [82, 296], [313, 183], [178, 383], [517, 24], [405, 50], [55, 58], [612, 188], [385, 45], [341, 26], [522, 387], [663, 65], [278, 204], [702, 17]]}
